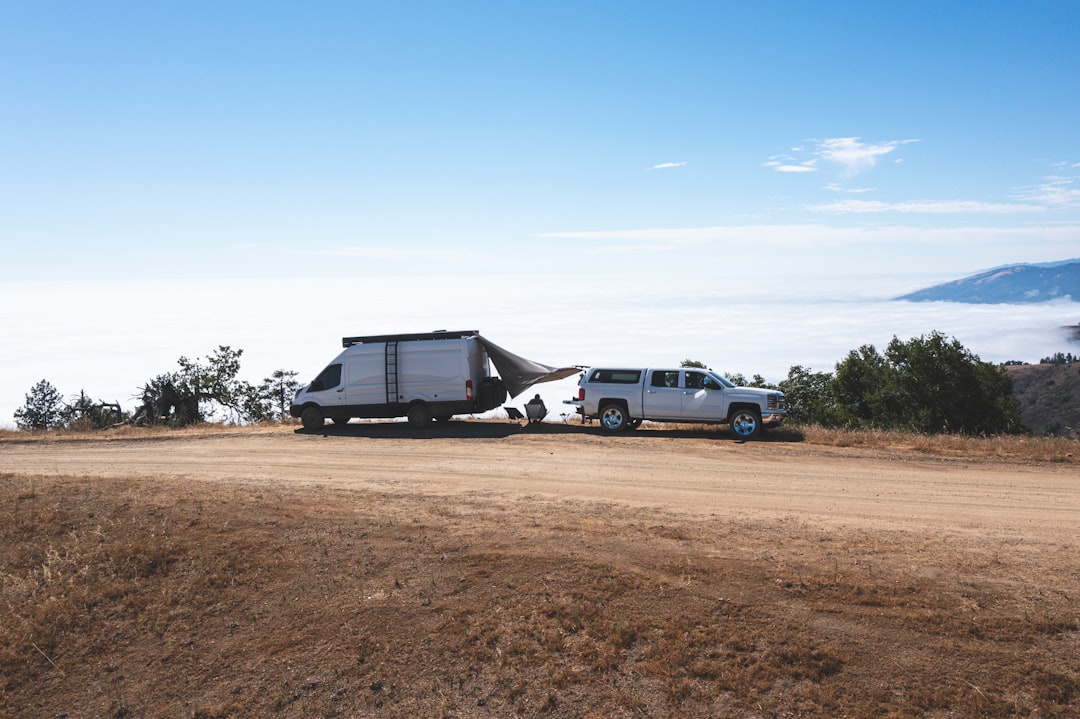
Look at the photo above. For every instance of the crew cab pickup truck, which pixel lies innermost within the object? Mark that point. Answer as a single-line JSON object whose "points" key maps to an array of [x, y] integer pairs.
{"points": [[621, 398]]}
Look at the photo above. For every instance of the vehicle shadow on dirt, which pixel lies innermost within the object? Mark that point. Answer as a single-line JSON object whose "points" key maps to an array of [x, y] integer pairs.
{"points": [[501, 430]]}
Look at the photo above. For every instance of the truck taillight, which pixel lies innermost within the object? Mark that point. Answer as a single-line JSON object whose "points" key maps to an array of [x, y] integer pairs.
{"points": [[581, 394], [468, 390]]}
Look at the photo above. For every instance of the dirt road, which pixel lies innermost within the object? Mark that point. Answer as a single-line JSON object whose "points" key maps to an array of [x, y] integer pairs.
{"points": [[668, 470], [489, 569]]}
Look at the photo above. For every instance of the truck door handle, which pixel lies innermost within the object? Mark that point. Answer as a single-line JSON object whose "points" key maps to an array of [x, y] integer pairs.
{"points": [[341, 390]]}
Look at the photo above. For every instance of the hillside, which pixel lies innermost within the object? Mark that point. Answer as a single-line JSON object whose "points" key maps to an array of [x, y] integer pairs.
{"points": [[1049, 397], [1021, 283]]}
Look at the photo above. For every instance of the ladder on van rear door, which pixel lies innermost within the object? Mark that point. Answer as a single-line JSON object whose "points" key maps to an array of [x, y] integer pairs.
{"points": [[391, 372]]}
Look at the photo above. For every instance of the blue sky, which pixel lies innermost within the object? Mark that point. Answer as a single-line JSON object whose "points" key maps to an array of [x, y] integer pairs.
{"points": [[275, 139], [582, 181]]}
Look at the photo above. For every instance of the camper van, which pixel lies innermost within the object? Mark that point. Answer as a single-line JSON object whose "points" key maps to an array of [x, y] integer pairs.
{"points": [[426, 376]]}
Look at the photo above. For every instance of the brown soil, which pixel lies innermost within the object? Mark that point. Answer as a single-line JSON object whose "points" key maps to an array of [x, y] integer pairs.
{"points": [[485, 569]]}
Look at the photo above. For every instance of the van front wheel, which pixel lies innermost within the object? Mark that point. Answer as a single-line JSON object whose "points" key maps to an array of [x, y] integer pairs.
{"points": [[311, 418]]}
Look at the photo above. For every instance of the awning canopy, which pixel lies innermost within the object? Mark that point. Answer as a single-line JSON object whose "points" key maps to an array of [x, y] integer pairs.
{"points": [[518, 373]]}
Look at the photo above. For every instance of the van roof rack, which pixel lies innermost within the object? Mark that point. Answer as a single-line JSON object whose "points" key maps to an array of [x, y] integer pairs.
{"points": [[436, 335]]}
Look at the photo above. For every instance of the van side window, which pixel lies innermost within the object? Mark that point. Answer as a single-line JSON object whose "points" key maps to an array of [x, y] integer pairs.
{"points": [[327, 379]]}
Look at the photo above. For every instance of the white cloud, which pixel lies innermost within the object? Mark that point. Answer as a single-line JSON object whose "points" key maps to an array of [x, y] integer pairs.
{"points": [[849, 153], [1056, 192], [854, 156], [789, 164], [836, 187], [667, 165], [1046, 241], [804, 167], [395, 254], [936, 207]]}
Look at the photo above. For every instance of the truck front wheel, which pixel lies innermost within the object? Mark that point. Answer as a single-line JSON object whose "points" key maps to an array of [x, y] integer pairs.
{"points": [[311, 418], [746, 423], [613, 418]]}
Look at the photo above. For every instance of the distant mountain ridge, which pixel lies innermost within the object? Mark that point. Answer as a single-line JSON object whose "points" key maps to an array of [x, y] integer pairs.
{"points": [[1010, 284]]}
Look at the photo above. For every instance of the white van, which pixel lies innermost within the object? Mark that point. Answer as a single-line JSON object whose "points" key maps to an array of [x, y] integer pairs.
{"points": [[432, 375]]}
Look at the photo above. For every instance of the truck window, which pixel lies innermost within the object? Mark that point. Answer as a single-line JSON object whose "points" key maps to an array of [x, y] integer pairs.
{"points": [[327, 379], [616, 376], [695, 380], [665, 379]]}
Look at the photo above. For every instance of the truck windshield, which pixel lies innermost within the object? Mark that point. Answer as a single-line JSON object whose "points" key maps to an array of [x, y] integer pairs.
{"points": [[723, 381]]}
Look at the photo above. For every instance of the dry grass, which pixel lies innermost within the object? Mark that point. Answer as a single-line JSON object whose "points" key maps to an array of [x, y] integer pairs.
{"points": [[145, 598], [1007, 447], [1004, 447]]}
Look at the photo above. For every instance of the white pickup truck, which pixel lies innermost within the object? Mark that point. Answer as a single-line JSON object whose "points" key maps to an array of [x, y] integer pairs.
{"points": [[621, 398]]}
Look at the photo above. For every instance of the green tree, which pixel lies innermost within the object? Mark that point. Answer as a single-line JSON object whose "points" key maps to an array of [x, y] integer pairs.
{"points": [[943, 387], [213, 382], [928, 384], [809, 397], [692, 364], [280, 388], [736, 378], [862, 388], [270, 401], [198, 390], [44, 408], [85, 413]]}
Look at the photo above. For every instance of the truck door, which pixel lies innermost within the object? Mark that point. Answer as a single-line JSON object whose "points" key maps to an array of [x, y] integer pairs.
{"points": [[702, 398], [663, 396]]}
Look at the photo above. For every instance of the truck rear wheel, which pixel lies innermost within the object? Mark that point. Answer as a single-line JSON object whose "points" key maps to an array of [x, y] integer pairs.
{"points": [[419, 416], [311, 418], [746, 422], [613, 418]]}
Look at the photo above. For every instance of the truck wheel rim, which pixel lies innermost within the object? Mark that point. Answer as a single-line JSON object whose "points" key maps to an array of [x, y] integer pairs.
{"points": [[612, 420], [744, 425]]}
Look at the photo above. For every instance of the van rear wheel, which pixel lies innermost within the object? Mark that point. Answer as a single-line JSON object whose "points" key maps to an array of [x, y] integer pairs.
{"points": [[311, 418], [419, 416]]}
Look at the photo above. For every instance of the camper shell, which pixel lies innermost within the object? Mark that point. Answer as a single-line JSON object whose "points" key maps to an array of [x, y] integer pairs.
{"points": [[421, 376]]}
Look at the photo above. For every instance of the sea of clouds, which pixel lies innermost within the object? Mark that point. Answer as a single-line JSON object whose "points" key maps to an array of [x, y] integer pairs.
{"points": [[109, 338]]}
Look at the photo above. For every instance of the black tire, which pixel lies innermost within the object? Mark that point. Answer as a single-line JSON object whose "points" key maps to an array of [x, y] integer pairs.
{"points": [[613, 418], [312, 420], [419, 416], [746, 422]]}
